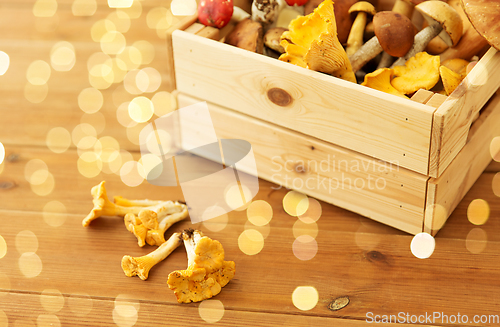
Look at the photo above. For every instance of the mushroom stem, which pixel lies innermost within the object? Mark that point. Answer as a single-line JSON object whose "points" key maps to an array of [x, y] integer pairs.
{"points": [[421, 40], [365, 53], [403, 7], [141, 266], [355, 39], [157, 236], [119, 200], [239, 14]]}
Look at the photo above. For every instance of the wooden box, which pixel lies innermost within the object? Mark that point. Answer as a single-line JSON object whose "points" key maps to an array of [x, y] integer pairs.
{"points": [[427, 150]]}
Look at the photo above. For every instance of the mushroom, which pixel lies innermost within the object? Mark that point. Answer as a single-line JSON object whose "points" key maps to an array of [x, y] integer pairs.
{"points": [[207, 270], [247, 35], [393, 34], [265, 11], [381, 80], [156, 236], [355, 39], [342, 18], [452, 72], [272, 38], [135, 226], [149, 216], [312, 42], [443, 20], [140, 266], [120, 200], [419, 72], [104, 207]]}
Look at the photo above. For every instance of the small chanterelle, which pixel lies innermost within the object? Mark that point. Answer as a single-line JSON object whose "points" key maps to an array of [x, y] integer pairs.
{"points": [[207, 270]]}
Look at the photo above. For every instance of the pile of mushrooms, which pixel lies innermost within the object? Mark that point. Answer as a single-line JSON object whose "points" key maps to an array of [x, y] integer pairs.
{"points": [[148, 220], [356, 41]]}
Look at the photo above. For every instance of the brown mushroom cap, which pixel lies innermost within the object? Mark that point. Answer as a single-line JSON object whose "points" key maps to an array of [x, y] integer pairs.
{"points": [[484, 16], [394, 32], [363, 6], [446, 16]]}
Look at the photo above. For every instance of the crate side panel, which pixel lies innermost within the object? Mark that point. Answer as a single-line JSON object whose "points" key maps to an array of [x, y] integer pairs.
{"points": [[359, 118], [372, 188], [454, 117], [447, 191]]}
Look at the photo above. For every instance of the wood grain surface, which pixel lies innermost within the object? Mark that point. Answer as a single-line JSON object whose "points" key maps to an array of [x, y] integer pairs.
{"points": [[71, 275]]}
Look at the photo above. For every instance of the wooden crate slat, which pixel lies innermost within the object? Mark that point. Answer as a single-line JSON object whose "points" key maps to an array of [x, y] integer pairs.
{"points": [[343, 113]]}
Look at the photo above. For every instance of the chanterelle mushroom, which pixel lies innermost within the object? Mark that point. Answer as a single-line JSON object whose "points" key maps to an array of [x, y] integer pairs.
{"points": [[381, 80], [207, 270], [419, 72], [443, 21], [311, 42], [104, 207], [141, 266], [156, 236], [135, 226]]}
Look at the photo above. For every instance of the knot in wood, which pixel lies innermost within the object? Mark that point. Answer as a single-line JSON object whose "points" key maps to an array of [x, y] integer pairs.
{"points": [[279, 97], [339, 303], [14, 157], [375, 256], [6, 185]]}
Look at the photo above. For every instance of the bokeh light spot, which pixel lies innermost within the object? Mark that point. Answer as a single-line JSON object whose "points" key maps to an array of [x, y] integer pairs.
{"points": [[157, 15], [495, 183], [129, 174], [183, 8], [120, 3], [123, 117], [52, 300], [238, 196], [422, 245], [251, 242], [62, 56], [38, 72], [132, 57], [106, 148], [146, 49], [133, 11], [3, 247], [164, 103], [89, 165], [30, 264], [478, 212], [90, 100], [100, 28], [259, 213], [159, 142], [476, 240], [264, 230], [220, 220], [305, 297], [2, 153], [121, 21], [82, 131], [45, 8], [140, 109], [211, 311], [26, 241], [148, 80], [134, 132], [4, 62], [439, 216], [48, 321], [96, 120], [58, 139], [313, 212], [44, 188], [33, 166], [495, 148], [54, 213], [152, 166], [295, 203], [305, 247], [125, 313], [84, 7], [301, 228], [80, 304], [130, 82], [35, 93]]}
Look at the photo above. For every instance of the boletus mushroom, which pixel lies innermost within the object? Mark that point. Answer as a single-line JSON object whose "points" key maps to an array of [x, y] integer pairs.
{"points": [[355, 40], [393, 34], [247, 35], [443, 20]]}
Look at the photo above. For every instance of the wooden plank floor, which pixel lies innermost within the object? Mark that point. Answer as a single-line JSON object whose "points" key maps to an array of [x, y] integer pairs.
{"points": [[74, 276]]}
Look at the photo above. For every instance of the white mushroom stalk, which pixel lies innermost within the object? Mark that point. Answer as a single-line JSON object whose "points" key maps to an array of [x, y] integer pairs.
{"points": [[140, 266], [104, 207], [156, 236], [266, 11]]}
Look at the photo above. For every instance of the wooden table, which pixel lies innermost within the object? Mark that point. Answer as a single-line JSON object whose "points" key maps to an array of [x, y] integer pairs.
{"points": [[61, 273]]}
